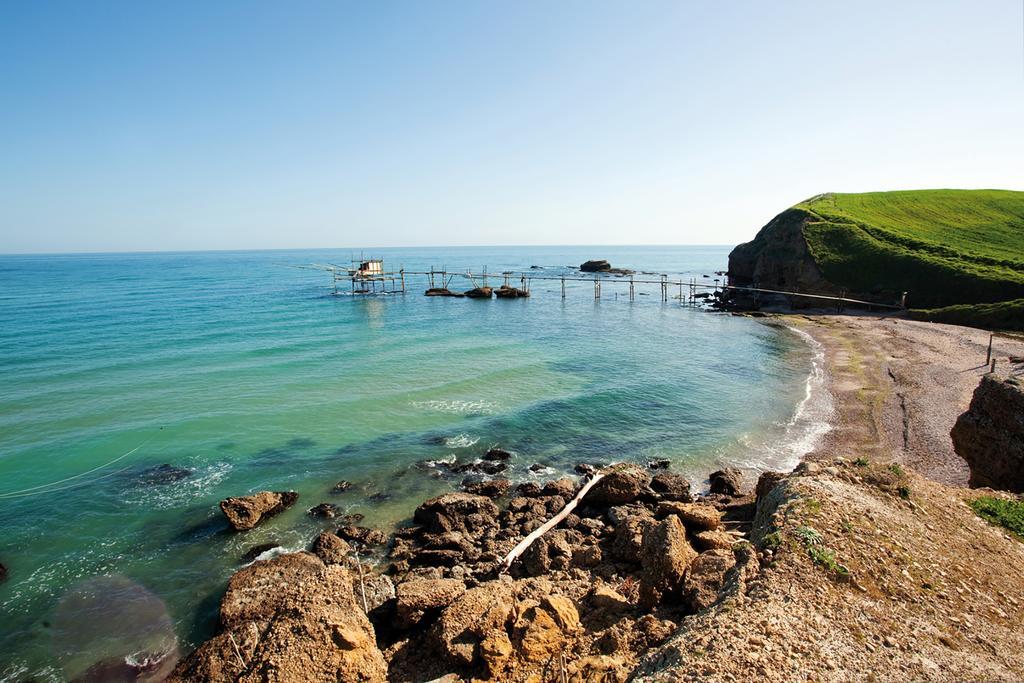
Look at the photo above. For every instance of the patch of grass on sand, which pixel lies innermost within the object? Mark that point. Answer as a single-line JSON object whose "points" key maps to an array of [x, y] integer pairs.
{"points": [[1005, 315], [1008, 514]]}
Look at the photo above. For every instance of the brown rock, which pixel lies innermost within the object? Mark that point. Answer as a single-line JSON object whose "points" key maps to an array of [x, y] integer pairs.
{"points": [[607, 599], [696, 516], [331, 549], [628, 537], [728, 481], [665, 556], [417, 598], [705, 578], [542, 630], [492, 488], [257, 550], [656, 631], [671, 487], [990, 435], [495, 650], [470, 617], [288, 619], [766, 482], [376, 589], [565, 487], [604, 668], [245, 512], [324, 510], [621, 484], [457, 512], [362, 535], [709, 540]]}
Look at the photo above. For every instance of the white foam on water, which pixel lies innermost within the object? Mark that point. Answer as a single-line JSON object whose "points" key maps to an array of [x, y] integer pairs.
{"points": [[461, 441], [175, 494], [457, 406]]}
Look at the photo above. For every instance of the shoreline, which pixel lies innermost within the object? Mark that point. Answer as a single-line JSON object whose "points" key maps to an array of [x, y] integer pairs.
{"points": [[894, 388]]}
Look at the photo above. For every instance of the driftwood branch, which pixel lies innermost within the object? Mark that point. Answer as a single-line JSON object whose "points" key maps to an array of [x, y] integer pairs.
{"points": [[506, 564]]}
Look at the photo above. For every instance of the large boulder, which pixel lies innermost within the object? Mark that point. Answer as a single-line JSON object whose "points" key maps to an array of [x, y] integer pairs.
{"points": [[671, 486], [331, 549], [245, 512], [696, 516], [470, 619], [544, 629], [595, 266], [418, 599], [464, 512], [728, 481], [664, 556], [990, 435], [620, 484], [705, 578], [288, 619]]}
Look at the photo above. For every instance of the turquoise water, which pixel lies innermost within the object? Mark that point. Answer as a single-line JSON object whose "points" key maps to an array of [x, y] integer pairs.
{"points": [[253, 375]]}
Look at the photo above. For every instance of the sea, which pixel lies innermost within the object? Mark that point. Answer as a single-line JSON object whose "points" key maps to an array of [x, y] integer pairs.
{"points": [[247, 371]]}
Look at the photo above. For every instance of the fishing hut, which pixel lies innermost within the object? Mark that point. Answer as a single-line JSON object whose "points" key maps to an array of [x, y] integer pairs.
{"points": [[367, 276]]}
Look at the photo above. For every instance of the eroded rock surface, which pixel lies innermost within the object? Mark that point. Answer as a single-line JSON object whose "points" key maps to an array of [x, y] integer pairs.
{"points": [[245, 512], [990, 435]]}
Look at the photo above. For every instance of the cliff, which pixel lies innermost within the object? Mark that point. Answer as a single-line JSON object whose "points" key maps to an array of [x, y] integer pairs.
{"points": [[943, 247], [990, 435]]}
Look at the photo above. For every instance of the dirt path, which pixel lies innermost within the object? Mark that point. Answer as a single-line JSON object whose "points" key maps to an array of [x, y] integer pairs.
{"points": [[899, 385]]}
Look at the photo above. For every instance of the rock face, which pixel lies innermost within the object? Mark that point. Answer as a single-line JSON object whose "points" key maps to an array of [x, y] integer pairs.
{"points": [[245, 512], [990, 435], [665, 556], [778, 257], [454, 511], [706, 577], [623, 484], [595, 266], [288, 619], [418, 598]]}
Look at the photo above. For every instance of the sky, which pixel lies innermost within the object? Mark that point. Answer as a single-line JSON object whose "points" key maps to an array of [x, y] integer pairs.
{"points": [[143, 126]]}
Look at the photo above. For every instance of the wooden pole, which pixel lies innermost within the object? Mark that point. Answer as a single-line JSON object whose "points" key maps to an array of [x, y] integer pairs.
{"points": [[988, 358], [630, 287], [402, 272], [563, 286], [506, 564]]}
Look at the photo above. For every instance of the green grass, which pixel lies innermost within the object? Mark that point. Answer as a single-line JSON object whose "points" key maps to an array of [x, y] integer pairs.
{"points": [[944, 247], [1008, 514], [1005, 315]]}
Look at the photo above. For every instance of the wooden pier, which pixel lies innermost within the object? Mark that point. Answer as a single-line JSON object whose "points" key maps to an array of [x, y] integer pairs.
{"points": [[369, 277]]}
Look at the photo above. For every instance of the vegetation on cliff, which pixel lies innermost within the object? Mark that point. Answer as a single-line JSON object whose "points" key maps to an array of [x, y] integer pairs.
{"points": [[944, 247]]}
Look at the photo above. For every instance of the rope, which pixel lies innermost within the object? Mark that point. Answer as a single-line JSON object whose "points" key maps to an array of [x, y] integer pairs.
{"points": [[48, 488]]}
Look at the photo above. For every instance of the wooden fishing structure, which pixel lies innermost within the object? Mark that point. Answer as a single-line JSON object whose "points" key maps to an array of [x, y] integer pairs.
{"points": [[369, 276]]}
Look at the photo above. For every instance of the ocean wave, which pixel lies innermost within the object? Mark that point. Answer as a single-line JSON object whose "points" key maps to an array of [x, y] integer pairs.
{"points": [[457, 406], [174, 494], [461, 441]]}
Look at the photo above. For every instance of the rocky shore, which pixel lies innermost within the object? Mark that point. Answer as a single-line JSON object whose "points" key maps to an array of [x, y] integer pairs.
{"points": [[851, 567]]}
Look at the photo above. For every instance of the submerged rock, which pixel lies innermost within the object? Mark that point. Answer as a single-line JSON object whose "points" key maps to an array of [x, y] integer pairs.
{"points": [[324, 510], [257, 550], [245, 512], [341, 486], [163, 474], [3, 572], [362, 535], [497, 454]]}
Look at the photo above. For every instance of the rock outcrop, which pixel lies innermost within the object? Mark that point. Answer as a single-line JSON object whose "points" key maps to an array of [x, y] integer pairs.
{"points": [[245, 512], [288, 619], [778, 257], [990, 435]]}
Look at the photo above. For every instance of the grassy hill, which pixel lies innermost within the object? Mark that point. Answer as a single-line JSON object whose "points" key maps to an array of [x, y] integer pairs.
{"points": [[945, 248]]}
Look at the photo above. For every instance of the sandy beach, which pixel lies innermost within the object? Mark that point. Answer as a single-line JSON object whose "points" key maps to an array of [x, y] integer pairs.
{"points": [[898, 386]]}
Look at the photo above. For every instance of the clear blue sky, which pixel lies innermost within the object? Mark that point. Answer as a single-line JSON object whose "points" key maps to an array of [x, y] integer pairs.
{"points": [[218, 125]]}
